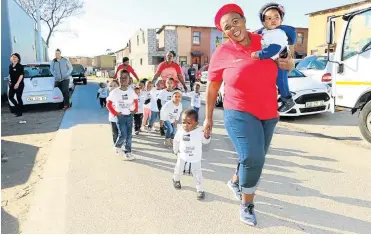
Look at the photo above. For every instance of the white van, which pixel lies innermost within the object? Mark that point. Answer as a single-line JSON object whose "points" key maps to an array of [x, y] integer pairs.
{"points": [[351, 73], [39, 86]]}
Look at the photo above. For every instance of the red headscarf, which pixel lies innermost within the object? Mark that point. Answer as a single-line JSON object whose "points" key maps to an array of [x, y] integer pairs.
{"points": [[225, 10]]}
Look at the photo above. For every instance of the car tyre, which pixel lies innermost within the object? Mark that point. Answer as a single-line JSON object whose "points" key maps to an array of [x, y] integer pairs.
{"points": [[219, 101], [85, 82], [365, 121], [11, 108], [61, 105]]}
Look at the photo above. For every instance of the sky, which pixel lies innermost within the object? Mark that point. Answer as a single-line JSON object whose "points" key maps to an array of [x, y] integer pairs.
{"points": [[108, 24]]}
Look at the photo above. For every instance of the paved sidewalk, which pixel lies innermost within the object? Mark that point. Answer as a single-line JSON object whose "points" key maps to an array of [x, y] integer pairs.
{"points": [[309, 185]]}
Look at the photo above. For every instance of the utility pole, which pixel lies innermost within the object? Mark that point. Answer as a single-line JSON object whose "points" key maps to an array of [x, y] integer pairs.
{"points": [[40, 50]]}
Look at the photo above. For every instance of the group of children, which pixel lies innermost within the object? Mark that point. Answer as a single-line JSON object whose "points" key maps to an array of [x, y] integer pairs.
{"points": [[142, 106]]}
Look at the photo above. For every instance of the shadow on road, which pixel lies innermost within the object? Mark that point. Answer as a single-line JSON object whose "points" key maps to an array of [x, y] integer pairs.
{"points": [[9, 224]]}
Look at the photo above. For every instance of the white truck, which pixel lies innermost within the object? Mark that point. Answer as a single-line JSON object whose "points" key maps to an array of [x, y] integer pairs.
{"points": [[351, 73]]}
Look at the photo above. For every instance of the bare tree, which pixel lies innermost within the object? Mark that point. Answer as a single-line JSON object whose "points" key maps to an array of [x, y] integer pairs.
{"points": [[53, 12]]}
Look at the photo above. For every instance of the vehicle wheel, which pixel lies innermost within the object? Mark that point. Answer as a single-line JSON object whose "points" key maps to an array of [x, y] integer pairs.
{"points": [[219, 102], [365, 121], [85, 82], [11, 108]]}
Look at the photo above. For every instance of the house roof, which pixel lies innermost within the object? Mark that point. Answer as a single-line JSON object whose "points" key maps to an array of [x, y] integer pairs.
{"points": [[339, 7], [179, 25]]}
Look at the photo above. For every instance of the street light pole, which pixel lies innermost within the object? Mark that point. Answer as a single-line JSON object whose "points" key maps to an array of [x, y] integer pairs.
{"points": [[39, 39]]}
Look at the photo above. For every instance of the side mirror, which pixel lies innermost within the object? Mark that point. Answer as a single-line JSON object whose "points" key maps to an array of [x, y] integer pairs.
{"points": [[330, 32]]}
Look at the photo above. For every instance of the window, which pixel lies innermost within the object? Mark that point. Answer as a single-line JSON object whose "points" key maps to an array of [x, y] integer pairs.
{"points": [[143, 38], [300, 38], [196, 38], [137, 40], [358, 36], [182, 60], [141, 61]]}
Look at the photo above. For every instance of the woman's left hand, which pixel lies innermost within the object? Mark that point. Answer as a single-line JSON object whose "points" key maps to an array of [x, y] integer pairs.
{"points": [[16, 86], [286, 63]]}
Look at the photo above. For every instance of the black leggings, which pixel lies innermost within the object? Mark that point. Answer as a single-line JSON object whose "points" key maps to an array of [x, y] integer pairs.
{"points": [[18, 104], [103, 102]]}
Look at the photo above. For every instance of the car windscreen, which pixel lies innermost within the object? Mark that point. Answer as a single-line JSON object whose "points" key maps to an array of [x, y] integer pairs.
{"points": [[295, 74], [31, 71], [78, 68], [313, 62]]}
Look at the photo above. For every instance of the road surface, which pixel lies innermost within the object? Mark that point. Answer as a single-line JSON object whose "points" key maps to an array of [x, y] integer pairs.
{"points": [[309, 184]]}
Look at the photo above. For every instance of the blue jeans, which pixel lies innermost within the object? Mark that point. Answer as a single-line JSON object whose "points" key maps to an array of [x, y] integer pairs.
{"points": [[170, 130], [125, 132], [283, 83], [251, 138], [196, 109], [154, 117]]}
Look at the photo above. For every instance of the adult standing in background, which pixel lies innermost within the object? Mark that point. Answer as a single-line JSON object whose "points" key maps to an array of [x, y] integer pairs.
{"points": [[16, 84], [61, 69], [192, 76], [125, 66], [170, 69], [250, 103]]}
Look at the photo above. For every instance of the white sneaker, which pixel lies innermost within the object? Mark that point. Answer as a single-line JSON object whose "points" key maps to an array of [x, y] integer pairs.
{"points": [[149, 129], [167, 143], [130, 156]]}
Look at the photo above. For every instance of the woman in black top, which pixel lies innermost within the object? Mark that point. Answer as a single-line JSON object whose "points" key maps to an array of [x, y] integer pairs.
{"points": [[16, 84]]}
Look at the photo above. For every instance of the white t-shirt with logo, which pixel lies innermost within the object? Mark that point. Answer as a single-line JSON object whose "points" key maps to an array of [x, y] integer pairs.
{"points": [[103, 92], [147, 95], [188, 145], [171, 112], [154, 96], [123, 101], [165, 96], [195, 99]]}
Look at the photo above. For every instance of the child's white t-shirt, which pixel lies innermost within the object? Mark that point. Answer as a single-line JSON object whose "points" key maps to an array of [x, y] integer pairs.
{"points": [[195, 99], [147, 95], [141, 99], [123, 101], [171, 112], [103, 92], [165, 96], [188, 145], [154, 97]]}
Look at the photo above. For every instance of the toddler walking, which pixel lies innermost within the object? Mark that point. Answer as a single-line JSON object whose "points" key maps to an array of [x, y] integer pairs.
{"points": [[138, 116], [188, 147], [196, 97], [170, 114], [102, 94], [275, 42], [147, 103]]}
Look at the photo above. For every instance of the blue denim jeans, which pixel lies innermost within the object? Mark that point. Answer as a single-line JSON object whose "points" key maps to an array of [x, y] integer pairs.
{"points": [[196, 109], [154, 117], [170, 130], [125, 132], [251, 138], [283, 83]]}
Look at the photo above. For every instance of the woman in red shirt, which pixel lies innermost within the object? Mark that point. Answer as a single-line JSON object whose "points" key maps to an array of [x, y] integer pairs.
{"points": [[250, 102], [170, 69], [126, 66]]}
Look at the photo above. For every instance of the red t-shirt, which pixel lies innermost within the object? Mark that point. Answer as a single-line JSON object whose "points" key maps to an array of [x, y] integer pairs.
{"points": [[169, 70], [249, 84], [128, 68]]}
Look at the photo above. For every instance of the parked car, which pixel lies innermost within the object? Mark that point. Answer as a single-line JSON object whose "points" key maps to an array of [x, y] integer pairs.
{"points": [[78, 74], [297, 62], [39, 86], [311, 96], [71, 85], [201, 74], [316, 67]]}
